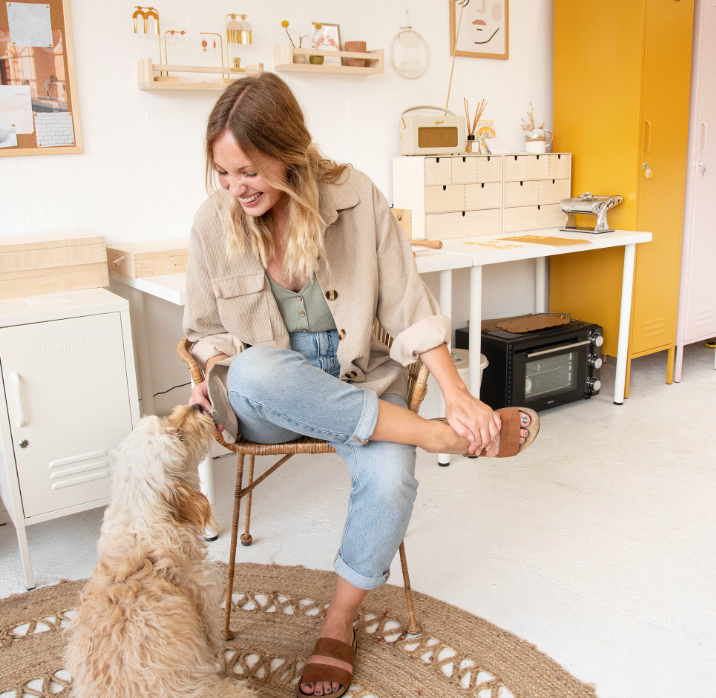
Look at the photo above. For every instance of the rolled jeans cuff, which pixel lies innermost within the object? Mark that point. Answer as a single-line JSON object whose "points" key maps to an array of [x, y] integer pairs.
{"points": [[358, 580], [368, 419]]}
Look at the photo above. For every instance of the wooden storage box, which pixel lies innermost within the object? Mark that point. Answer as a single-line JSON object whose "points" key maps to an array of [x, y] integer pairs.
{"points": [[31, 265], [142, 259]]}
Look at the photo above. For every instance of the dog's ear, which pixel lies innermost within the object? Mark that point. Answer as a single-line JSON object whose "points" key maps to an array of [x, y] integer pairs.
{"points": [[191, 506]]}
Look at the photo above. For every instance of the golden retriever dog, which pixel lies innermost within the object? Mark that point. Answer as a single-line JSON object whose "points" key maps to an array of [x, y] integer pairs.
{"points": [[149, 623]]}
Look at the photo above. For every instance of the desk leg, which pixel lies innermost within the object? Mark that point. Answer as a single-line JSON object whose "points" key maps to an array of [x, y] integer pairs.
{"points": [[624, 324], [141, 341], [475, 331], [446, 309], [541, 300]]}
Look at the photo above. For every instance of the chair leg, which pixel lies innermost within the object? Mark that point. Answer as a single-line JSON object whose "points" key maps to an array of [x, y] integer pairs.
{"points": [[246, 536], [413, 627], [228, 635]]}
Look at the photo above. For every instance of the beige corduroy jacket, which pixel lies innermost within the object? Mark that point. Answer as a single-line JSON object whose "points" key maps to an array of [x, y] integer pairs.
{"points": [[369, 272]]}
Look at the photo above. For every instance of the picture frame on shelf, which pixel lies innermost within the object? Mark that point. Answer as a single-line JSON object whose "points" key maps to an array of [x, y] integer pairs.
{"points": [[328, 38], [484, 30]]}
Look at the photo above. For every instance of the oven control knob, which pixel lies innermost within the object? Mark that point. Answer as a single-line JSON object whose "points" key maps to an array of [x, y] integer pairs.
{"points": [[594, 385], [597, 339], [595, 362]]}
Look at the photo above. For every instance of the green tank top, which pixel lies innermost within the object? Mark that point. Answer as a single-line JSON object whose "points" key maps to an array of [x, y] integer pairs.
{"points": [[305, 311]]}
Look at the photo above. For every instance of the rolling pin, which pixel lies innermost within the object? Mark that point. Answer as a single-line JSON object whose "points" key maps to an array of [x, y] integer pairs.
{"points": [[432, 244]]}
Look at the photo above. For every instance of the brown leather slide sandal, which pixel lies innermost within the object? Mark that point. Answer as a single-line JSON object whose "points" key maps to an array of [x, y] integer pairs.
{"points": [[510, 432], [316, 672]]}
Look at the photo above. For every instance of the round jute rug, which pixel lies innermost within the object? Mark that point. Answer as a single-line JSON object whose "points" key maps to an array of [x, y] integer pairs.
{"points": [[276, 619]]}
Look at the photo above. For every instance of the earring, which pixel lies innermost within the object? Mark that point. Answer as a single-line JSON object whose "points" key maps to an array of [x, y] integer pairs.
{"points": [[184, 38], [203, 44], [214, 45], [172, 38]]}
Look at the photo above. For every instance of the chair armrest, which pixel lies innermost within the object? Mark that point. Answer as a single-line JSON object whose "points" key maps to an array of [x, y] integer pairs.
{"points": [[184, 351], [419, 389]]}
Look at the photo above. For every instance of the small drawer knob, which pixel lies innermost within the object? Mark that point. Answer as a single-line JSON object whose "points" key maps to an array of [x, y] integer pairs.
{"points": [[24, 443]]}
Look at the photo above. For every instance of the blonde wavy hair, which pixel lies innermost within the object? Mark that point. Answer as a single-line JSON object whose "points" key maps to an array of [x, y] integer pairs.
{"points": [[265, 119]]}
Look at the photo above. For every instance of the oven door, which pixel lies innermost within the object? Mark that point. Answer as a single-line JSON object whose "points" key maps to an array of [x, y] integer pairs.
{"points": [[549, 377]]}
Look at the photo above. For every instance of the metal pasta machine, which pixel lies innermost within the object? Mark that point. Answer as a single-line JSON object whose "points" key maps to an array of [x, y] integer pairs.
{"points": [[590, 205]]}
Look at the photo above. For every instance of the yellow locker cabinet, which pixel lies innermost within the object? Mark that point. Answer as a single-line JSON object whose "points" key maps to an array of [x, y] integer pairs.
{"points": [[621, 105]]}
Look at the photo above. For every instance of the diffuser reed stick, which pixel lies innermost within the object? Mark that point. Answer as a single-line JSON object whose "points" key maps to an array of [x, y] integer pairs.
{"points": [[457, 36], [471, 129]]}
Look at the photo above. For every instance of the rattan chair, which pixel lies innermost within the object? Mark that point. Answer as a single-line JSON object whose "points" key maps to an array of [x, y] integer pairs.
{"points": [[417, 388]]}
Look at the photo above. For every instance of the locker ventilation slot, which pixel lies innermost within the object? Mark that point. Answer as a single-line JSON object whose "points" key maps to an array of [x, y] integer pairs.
{"points": [[76, 459], [83, 468], [80, 479], [705, 316]]}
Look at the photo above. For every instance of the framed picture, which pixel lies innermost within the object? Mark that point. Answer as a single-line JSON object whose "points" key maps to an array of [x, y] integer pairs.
{"points": [[328, 38], [480, 28], [38, 98]]}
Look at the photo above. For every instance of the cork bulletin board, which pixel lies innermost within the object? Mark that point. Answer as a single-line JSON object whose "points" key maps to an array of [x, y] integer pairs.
{"points": [[38, 99]]}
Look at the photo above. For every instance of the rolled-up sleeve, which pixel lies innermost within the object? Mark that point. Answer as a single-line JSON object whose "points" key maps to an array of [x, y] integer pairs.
{"points": [[406, 308], [202, 323]]}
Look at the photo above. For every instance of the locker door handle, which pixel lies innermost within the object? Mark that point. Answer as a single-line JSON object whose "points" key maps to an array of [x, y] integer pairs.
{"points": [[17, 386], [703, 133], [647, 136]]}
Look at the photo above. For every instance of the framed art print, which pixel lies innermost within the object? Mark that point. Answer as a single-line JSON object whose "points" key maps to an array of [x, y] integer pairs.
{"points": [[480, 28]]}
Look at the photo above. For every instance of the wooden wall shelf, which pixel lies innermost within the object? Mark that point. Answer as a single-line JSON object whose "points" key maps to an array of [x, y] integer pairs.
{"points": [[284, 53], [156, 77]]}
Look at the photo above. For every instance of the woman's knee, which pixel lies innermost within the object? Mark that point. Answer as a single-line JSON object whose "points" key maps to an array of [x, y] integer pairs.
{"points": [[255, 369]]}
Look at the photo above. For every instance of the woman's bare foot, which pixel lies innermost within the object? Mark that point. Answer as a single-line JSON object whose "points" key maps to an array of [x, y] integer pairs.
{"points": [[338, 625]]}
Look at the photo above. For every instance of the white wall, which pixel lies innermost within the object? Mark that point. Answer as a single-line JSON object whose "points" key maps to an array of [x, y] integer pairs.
{"points": [[141, 174]]}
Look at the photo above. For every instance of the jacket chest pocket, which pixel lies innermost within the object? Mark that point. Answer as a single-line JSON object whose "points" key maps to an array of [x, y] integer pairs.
{"points": [[242, 306]]}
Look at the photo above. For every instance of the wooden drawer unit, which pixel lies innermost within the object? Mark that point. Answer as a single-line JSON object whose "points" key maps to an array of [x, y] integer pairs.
{"points": [[552, 191], [438, 170], [474, 195], [446, 197], [446, 226], [524, 193], [551, 166], [533, 218], [482, 196], [473, 169]]}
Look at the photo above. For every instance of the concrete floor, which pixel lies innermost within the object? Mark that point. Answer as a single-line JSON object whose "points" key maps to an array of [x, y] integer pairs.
{"points": [[596, 545]]}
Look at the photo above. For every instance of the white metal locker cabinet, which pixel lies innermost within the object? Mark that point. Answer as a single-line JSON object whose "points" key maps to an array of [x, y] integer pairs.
{"points": [[697, 294], [68, 396], [68, 402]]}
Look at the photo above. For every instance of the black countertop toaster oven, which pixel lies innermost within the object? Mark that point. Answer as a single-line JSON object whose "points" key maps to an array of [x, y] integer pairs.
{"points": [[539, 369]]}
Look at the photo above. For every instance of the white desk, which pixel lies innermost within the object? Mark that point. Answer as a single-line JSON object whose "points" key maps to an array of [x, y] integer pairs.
{"points": [[515, 251]]}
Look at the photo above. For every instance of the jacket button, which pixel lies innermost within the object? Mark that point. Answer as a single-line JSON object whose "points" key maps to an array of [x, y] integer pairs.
{"points": [[304, 330], [302, 314], [331, 295], [341, 334]]}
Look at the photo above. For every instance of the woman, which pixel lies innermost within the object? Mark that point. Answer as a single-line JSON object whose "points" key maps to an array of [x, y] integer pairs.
{"points": [[290, 262]]}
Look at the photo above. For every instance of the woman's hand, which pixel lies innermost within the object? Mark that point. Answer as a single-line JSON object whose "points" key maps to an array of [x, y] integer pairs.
{"points": [[473, 420], [200, 392], [470, 418], [200, 396]]}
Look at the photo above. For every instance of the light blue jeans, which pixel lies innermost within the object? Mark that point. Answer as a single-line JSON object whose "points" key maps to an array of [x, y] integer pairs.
{"points": [[280, 395]]}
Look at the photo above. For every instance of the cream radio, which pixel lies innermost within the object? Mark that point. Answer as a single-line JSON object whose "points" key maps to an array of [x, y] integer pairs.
{"points": [[443, 134]]}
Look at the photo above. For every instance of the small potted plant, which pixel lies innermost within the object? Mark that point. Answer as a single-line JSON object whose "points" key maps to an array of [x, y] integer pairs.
{"points": [[534, 135], [301, 58]]}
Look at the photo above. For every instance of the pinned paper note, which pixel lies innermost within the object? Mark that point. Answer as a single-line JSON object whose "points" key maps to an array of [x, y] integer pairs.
{"points": [[16, 107], [30, 24], [54, 129], [8, 137]]}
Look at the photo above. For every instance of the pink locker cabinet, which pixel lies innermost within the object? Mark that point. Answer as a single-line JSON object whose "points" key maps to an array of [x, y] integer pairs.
{"points": [[68, 397], [697, 292]]}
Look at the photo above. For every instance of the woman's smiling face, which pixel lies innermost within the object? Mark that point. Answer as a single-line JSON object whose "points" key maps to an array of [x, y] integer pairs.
{"points": [[239, 177]]}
